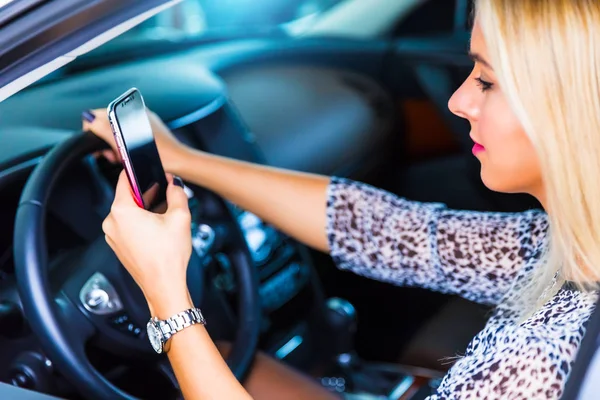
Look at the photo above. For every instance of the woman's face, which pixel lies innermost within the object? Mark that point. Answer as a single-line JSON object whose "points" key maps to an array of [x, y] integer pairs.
{"points": [[508, 160]]}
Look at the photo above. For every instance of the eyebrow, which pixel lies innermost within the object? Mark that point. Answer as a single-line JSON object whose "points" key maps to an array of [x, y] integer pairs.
{"points": [[478, 59]]}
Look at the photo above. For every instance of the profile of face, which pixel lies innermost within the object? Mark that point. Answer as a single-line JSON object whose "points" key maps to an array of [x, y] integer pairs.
{"points": [[508, 160]]}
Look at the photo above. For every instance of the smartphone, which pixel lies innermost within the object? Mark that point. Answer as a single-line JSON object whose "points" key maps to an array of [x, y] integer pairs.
{"points": [[139, 155]]}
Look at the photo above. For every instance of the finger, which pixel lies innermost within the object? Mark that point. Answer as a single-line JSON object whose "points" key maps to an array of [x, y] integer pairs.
{"points": [[124, 196], [88, 117], [96, 121], [111, 156], [108, 229], [175, 180], [92, 119], [108, 155], [176, 197], [110, 242], [107, 225]]}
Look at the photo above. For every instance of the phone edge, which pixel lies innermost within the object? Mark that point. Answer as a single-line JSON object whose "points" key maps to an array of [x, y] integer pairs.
{"points": [[123, 153]]}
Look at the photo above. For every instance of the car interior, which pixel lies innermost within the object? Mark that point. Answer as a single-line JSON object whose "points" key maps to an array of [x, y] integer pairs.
{"points": [[294, 88]]}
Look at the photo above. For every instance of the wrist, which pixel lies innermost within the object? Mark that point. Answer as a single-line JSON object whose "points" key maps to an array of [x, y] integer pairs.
{"points": [[169, 303]]}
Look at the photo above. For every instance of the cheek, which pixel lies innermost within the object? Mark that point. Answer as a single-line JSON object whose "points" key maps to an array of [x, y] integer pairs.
{"points": [[509, 163]]}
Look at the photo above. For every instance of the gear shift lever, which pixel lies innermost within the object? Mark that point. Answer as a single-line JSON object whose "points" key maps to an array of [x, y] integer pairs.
{"points": [[339, 329], [342, 317], [340, 324]]}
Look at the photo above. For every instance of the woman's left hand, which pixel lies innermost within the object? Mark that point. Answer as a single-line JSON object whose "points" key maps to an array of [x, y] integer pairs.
{"points": [[154, 248]]}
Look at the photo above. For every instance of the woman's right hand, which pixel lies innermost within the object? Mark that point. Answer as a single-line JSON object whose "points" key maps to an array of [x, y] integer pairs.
{"points": [[169, 148]]}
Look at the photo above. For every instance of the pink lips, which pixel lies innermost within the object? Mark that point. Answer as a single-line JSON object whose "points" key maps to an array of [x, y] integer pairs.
{"points": [[477, 148]]}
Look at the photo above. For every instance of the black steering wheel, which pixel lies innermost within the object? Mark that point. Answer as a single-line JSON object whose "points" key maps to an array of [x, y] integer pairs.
{"points": [[84, 294]]}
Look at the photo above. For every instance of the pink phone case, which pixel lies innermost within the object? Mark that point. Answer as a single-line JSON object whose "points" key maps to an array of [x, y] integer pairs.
{"points": [[135, 187], [137, 195]]}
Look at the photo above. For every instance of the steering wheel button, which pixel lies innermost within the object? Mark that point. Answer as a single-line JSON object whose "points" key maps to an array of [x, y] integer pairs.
{"points": [[99, 296], [119, 321]]}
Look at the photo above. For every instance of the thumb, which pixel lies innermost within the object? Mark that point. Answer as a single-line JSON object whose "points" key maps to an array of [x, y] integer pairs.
{"points": [[176, 197], [123, 194]]}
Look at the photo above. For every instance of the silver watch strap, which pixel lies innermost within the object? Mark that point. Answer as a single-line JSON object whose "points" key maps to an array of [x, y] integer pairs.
{"points": [[180, 321]]}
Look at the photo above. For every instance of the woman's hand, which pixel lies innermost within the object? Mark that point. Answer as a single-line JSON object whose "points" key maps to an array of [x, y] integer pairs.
{"points": [[169, 148], [154, 248]]}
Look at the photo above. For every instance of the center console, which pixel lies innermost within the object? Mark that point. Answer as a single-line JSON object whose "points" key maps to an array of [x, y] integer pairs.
{"points": [[347, 373], [282, 271], [289, 292]]}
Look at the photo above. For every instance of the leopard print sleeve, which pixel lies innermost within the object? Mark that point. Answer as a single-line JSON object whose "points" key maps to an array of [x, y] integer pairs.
{"points": [[472, 254]]}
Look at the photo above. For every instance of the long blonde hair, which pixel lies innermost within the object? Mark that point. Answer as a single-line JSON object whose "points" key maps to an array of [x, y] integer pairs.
{"points": [[545, 54]]}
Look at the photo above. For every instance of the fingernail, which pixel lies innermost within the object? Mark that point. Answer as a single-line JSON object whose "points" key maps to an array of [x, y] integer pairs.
{"points": [[88, 116], [177, 181]]}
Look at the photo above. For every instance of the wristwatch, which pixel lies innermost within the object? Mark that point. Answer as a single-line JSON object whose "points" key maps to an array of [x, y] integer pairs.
{"points": [[159, 332]]}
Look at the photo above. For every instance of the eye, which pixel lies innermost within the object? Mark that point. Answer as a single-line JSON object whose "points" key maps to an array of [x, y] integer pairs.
{"points": [[484, 85]]}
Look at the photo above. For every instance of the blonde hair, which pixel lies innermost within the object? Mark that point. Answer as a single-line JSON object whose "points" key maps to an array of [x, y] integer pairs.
{"points": [[545, 55]]}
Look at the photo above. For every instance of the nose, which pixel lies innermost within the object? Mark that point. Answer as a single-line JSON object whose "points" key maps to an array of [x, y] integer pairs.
{"points": [[463, 102]]}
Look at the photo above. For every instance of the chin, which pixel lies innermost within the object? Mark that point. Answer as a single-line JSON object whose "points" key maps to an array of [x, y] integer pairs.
{"points": [[524, 179], [499, 183]]}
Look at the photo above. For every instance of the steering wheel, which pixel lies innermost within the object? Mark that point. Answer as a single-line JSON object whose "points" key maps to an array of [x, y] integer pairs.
{"points": [[84, 294]]}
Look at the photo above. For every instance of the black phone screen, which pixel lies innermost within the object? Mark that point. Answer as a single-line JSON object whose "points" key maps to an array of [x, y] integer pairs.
{"points": [[138, 142]]}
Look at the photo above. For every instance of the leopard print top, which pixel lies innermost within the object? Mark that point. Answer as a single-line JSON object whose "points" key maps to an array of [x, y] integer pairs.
{"points": [[479, 256]]}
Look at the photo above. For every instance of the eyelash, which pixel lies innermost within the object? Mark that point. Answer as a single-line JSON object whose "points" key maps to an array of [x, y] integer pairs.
{"points": [[485, 86]]}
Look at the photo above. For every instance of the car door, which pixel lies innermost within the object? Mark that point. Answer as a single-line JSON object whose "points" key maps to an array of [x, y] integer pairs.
{"points": [[40, 36]]}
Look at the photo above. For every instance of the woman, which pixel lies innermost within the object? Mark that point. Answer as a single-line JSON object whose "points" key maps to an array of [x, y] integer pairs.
{"points": [[533, 102]]}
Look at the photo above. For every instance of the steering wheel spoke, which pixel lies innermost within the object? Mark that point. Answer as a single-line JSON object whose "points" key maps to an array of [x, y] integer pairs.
{"points": [[102, 292], [86, 276], [84, 330]]}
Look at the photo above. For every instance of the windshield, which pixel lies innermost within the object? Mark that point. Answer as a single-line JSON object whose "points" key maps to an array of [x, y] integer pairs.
{"points": [[226, 18], [190, 23]]}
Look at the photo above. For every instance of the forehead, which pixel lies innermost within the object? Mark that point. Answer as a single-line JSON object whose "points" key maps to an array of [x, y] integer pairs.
{"points": [[477, 43]]}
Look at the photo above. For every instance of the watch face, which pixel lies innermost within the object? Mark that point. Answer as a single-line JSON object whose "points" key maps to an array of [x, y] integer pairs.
{"points": [[155, 336]]}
